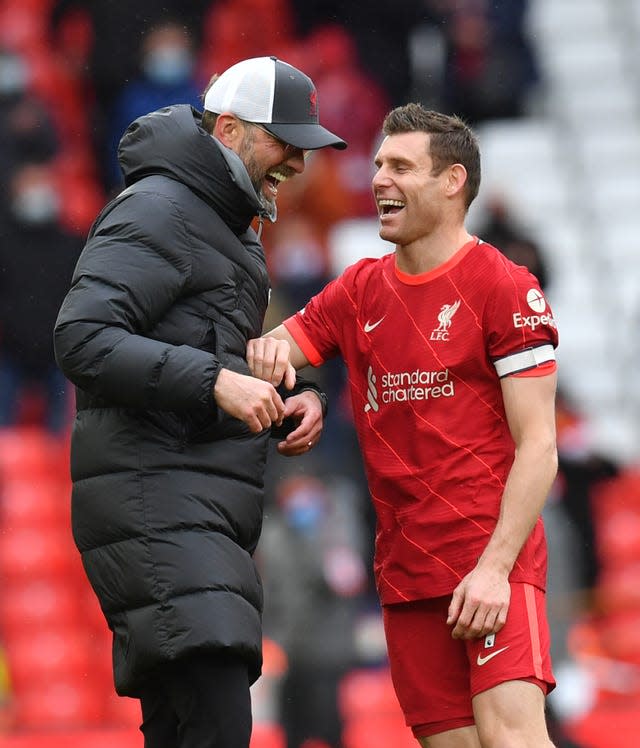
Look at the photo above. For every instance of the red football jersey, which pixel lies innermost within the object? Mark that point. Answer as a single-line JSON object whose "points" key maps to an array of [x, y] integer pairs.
{"points": [[424, 356]]}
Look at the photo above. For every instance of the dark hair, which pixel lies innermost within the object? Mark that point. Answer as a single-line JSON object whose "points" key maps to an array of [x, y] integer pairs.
{"points": [[451, 141], [209, 118]]}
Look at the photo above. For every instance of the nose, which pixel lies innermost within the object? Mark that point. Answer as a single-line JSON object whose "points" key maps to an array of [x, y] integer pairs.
{"points": [[296, 159], [380, 178]]}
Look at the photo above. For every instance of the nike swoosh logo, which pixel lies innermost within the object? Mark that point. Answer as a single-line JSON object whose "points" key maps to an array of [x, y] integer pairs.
{"points": [[368, 327], [483, 660]]}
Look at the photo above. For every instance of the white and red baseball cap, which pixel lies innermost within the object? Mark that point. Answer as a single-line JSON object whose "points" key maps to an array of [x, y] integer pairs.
{"points": [[277, 96]]}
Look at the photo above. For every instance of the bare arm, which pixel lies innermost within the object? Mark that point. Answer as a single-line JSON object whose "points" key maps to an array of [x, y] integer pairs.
{"points": [[480, 602], [275, 357]]}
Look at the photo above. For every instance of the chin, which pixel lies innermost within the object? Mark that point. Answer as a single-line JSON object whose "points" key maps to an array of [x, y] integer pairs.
{"points": [[268, 201], [387, 234]]}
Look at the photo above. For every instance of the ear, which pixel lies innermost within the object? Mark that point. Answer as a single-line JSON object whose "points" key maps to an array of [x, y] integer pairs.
{"points": [[228, 130], [456, 180]]}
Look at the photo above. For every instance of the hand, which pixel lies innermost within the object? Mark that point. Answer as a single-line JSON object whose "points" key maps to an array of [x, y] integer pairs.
{"points": [[253, 401], [306, 411], [479, 604], [268, 359]]}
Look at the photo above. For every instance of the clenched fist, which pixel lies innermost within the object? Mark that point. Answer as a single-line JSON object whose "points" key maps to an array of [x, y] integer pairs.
{"points": [[251, 400]]}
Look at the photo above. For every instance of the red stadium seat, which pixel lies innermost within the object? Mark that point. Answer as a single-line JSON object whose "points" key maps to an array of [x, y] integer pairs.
{"points": [[31, 604], [618, 589], [36, 553], [82, 200], [30, 452], [608, 727], [21, 28], [266, 735], [619, 535], [49, 655], [621, 636], [58, 703], [364, 693], [33, 503], [377, 732], [120, 711]]}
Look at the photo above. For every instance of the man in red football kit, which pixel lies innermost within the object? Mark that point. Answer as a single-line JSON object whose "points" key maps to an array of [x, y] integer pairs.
{"points": [[450, 353]]}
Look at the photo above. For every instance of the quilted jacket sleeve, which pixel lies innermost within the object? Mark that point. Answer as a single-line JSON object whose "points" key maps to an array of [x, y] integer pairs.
{"points": [[135, 266]]}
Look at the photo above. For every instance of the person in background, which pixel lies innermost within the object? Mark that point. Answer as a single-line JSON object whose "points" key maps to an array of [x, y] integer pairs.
{"points": [[166, 76], [449, 348], [490, 68], [313, 539], [170, 440], [37, 258], [115, 33], [501, 229], [28, 132]]}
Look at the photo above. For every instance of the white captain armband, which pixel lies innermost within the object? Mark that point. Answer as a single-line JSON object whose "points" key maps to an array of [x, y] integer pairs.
{"points": [[524, 360]]}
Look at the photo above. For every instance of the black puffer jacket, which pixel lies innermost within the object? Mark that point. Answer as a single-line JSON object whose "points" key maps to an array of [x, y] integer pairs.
{"points": [[167, 490]]}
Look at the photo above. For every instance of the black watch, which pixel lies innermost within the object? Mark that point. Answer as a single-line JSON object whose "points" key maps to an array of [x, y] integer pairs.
{"points": [[323, 398]]}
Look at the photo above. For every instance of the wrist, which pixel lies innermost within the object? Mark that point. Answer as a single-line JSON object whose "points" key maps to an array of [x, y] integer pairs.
{"points": [[324, 402], [499, 559], [213, 383]]}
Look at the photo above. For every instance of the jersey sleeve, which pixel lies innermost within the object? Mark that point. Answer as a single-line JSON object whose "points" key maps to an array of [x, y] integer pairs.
{"points": [[318, 327], [522, 334]]}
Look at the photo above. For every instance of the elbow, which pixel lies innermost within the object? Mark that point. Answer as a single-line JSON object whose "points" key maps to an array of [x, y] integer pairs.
{"points": [[553, 458], [542, 450], [62, 349], [549, 454], [73, 348]]}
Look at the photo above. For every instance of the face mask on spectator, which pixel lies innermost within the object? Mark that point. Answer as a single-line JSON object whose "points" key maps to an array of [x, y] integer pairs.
{"points": [[36, 205], [168, 65], [14, 75]]}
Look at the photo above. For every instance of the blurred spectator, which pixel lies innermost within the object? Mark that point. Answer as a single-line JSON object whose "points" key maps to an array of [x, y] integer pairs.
{"points": [[581, 471], [37, 258], [380, 30], [166, 76], [297, 259], [238, 29], [318, 200], [116, 33], [503, 232], [353, 100], [43, 117], [27, 130], [314, 576], [489, 67]]}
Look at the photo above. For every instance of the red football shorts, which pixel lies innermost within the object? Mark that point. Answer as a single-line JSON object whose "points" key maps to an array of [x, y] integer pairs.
{"points": [[436, 676]]}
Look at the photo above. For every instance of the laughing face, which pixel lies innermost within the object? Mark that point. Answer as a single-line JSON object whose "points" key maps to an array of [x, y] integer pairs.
{"points": [[269, 162], [409, 195]]}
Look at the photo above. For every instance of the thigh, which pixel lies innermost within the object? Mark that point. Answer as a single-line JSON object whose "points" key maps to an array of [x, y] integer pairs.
{"points": [[429, 669], [211, 697], [512, 713], [511, 675], [520, 650]]}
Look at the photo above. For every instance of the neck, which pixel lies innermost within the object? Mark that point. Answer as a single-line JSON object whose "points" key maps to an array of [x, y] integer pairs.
{"points": [[431, 251]]}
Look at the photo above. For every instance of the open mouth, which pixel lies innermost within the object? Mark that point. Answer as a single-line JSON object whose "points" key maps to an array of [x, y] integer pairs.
{"points": [[389, 207], [273, 180]]}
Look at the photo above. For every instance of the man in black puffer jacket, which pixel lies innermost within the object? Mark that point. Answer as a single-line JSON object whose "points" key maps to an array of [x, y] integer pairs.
{"points": [[170, 439]]}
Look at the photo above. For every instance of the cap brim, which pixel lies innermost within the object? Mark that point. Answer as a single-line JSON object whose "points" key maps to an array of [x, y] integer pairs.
{"points": [[309, 137]]}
